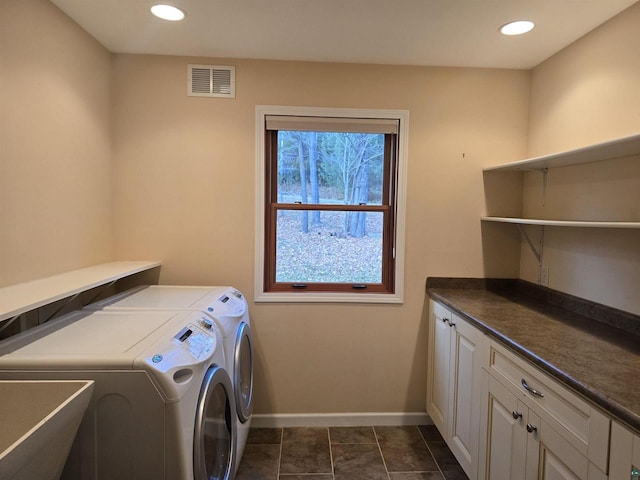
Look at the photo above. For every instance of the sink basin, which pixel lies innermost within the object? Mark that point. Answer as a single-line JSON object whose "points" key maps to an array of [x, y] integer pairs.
{"points": [[39, 421]]}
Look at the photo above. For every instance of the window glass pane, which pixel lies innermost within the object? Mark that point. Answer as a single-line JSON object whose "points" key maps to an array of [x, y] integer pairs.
{"points": [[329, 247], [330, 168]]}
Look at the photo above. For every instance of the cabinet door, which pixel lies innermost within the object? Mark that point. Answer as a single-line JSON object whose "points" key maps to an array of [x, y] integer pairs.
{"points": [[464, 394], [551, 467], [635, 455], [439, 366], [503, 436], [625, 453], [552, 457]]}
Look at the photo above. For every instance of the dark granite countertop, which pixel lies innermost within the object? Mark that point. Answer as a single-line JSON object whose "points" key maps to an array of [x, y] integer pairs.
{"points": [[597, 360]]}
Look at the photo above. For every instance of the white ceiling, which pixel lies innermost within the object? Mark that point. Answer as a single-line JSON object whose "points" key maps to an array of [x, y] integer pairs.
{"points": [[400, 32]]}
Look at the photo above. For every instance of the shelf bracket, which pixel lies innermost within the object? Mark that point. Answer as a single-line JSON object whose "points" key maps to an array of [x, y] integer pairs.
{"points": [[59, 309], [537, 251], [545, 172], [8, 322], [70, 299], [101, 290]]}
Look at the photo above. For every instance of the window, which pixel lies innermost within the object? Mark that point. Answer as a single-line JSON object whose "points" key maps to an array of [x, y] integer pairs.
{"points": [[330, 207]]}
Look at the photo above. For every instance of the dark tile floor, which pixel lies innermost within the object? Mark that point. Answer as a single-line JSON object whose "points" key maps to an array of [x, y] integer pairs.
{"points": [[348, 453]]}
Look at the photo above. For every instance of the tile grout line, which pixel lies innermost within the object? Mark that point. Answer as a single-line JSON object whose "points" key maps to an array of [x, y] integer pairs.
{"points": [[431, 453], [375, 434], [280, 454], [333, 470]]}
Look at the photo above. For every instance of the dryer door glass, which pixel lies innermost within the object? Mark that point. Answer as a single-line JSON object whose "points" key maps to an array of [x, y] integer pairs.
{"points": [[214, 438], [244, 372]]}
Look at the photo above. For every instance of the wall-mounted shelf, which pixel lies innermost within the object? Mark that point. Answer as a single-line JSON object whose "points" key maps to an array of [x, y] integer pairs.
{"points": [[561, 223], [574, 197], [621, 147], [23, 297]]}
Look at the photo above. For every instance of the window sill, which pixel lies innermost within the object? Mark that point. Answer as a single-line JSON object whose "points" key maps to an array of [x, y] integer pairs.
{"points": [[332, 297]]}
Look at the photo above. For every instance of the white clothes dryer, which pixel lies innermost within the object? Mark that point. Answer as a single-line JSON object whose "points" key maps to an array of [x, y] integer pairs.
{"points": [[163, 403], [229, 310]]}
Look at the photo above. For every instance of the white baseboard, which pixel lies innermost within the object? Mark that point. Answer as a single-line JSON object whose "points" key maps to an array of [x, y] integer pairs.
{"points": [[280, 420]]}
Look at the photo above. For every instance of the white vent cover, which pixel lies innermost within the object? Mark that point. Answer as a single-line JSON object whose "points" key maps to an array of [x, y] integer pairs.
{"points": [[211, 81]]}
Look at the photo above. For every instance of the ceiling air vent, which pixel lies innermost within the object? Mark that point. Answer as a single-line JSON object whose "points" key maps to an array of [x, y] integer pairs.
{"points": [[211, 81]]}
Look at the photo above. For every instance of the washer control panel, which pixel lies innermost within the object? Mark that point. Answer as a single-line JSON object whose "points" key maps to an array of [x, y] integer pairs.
{"points": [[198, 343], [180, 353], [230, 303]]}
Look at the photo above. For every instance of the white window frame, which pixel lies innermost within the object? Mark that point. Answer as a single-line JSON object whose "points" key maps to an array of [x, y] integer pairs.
{"points": [[331, 297]]}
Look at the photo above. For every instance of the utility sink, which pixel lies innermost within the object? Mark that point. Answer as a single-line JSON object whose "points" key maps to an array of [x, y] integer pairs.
{"points": [[38, 422]]}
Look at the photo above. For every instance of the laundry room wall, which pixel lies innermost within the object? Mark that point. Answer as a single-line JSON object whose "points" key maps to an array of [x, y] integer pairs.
{"points": [[55, 144], [588, 93], [184, 177], [105, 157]]}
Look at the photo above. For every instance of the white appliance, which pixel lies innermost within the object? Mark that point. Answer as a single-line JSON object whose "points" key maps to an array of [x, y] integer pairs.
{"points": [[229, 310], [163, 402]]}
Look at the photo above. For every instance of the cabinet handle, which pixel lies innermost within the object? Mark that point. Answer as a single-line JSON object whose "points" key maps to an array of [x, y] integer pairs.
{"points": [[445, 320], [516, 415], [531, 428], [533, 391]]}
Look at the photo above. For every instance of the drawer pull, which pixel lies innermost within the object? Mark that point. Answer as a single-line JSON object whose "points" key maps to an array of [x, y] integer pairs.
{"points": [[533, 391], [531, 428], [516, 415]]}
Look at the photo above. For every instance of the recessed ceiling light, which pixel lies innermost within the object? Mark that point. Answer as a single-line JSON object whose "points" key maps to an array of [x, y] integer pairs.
{"points": [[517, 28], [167, 12]]}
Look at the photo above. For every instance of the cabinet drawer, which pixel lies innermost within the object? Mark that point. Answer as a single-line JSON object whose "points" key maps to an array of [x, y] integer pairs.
{"points": [[584, 427]]}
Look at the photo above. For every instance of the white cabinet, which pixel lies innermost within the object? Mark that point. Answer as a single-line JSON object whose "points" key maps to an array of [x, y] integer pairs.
{"points": [[533, 428], [464, 394], [503, 439], [453, 383], [625, 454], [439, 365]]}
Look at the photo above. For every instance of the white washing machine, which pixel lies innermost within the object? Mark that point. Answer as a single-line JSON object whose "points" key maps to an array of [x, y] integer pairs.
{"points": [[163, 403], [229, 310]]}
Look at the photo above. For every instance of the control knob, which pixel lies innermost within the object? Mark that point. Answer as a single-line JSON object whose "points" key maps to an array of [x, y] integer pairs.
{"points": [[206, 323]]}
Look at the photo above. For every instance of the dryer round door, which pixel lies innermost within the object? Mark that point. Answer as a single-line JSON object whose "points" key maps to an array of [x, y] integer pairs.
{"points": [[214, 442], [243, 372]]}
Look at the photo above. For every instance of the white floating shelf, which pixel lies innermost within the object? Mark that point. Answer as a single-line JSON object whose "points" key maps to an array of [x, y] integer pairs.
{"points": [[561, 223], [621, 147], [23, 297]]}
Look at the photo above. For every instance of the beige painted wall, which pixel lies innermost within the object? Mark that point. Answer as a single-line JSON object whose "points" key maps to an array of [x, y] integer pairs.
{"points": [[585, 94], [184, 193], [183, 179], [55, 152]]}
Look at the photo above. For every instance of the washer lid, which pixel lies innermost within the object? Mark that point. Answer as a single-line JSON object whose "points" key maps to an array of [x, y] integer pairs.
{"points": [[95, 334], [156, 296]]}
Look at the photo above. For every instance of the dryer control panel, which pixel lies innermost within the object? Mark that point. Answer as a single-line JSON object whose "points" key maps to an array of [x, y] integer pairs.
{"points": [[230, 303]]}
